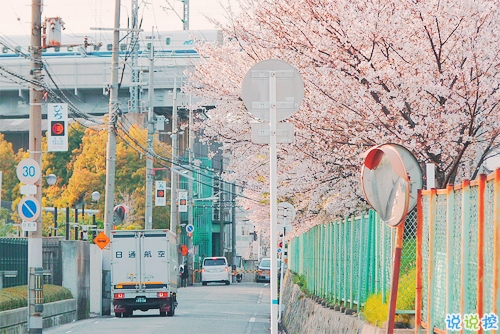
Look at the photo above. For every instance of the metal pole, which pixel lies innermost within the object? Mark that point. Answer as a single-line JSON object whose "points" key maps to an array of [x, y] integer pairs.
{"points": [[67, 224], [185, 22], [274, 204], [35, 322], [173, 176], [110, 163], [281, 268], [395, 277], [94, 231], [221, 212], [190, 193], [134, 71], [148, 218], [233, 227], [76, 224], [55, 222]]}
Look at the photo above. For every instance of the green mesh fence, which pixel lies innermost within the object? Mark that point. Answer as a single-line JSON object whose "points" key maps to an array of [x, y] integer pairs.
{"points": [[348, 260]]}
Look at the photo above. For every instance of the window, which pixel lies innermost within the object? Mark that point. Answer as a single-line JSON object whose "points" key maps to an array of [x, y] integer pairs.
{"points": [[123, 47], [57, 49], [5, 49], [70, 48], [167, 41], [214, 262], [109, 47], [18, 49]]}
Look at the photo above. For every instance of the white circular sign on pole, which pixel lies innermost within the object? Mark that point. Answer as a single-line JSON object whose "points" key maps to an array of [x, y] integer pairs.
{"points": [[189, 228], [289, 89], [29, 209], [28, 171]]}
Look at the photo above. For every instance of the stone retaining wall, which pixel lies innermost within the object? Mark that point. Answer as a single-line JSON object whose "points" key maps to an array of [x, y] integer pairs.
{"points": [[304, 315], [54, 314]]}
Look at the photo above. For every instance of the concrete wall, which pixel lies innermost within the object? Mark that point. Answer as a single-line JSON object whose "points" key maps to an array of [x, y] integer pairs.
{"points": [[95, 280], [76, 274], [57, 313]]}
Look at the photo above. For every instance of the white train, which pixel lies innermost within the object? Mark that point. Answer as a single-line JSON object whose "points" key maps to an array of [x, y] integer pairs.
{"points": [[99, 44]]}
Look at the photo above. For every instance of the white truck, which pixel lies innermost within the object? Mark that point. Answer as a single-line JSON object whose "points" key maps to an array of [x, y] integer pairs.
{"points": [[143, 271]]}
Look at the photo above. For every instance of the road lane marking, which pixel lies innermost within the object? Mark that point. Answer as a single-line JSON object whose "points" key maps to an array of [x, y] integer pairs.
{"points": [[252, 319]]}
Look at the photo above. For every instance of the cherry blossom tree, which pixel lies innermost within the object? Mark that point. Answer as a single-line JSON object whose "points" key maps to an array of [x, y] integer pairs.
{"points": [[423, 74]]}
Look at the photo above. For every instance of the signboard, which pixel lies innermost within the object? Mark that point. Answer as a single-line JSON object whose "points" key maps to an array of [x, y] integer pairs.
{"points": [[28, 171], [261, 133], [28, 209], [289, 89], [160, 196], [57, 132], [28, 226], [189, 228], [101, 240], [183, 201]]}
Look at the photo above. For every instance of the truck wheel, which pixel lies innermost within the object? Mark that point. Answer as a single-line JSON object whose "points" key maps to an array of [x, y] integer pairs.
{"points": [[172, 309], [118, 314], [128, 312], [227, 282], [163, 313], [203, 283]]}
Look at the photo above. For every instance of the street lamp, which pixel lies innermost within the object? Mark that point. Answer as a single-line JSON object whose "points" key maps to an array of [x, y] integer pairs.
{"points": [[96, 196], [51, 179]]}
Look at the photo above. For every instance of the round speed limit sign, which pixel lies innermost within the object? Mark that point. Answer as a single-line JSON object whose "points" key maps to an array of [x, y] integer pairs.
{"points": [[28, 171]]}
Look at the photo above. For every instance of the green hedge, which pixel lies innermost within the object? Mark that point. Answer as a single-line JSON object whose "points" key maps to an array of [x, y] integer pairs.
{"points": [[15, 297]]}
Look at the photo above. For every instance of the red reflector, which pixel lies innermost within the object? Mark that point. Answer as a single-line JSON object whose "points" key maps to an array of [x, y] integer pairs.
{"points": [[162, 294], [226, 269], [119, 295]]}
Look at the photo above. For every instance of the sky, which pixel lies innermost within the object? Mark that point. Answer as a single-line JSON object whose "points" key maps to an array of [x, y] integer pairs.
{"points": [[81, 15]]}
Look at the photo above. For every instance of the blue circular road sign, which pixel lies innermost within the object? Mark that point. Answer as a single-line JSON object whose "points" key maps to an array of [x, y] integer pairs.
{"points": [[29, 209], [189, 228]]}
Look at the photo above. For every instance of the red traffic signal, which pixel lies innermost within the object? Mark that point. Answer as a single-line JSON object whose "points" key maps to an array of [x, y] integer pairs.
{"points": [[57, 128], [160, 193]]}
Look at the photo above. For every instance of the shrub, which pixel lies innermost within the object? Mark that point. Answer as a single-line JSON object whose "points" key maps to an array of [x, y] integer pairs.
{"points": [[300, 280], [375, 311], [16, 297]]}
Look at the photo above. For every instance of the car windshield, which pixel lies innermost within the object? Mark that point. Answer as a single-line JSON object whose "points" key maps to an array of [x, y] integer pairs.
{"points": [[214, 262], [265, 263]]}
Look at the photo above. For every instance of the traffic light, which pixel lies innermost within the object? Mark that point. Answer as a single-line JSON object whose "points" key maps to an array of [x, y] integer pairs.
{"points": [[120, 213], [57, 128]]}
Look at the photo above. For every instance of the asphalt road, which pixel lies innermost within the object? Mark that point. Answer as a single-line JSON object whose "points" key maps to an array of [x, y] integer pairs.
{"points": [[240, 308]]}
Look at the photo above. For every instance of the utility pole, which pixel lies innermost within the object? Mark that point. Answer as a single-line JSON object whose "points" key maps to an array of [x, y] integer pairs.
{"points": [[190, 188], [173, 175], [111, 163], [134, 40], [185, 21], [148, 224], [35, 260]]}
